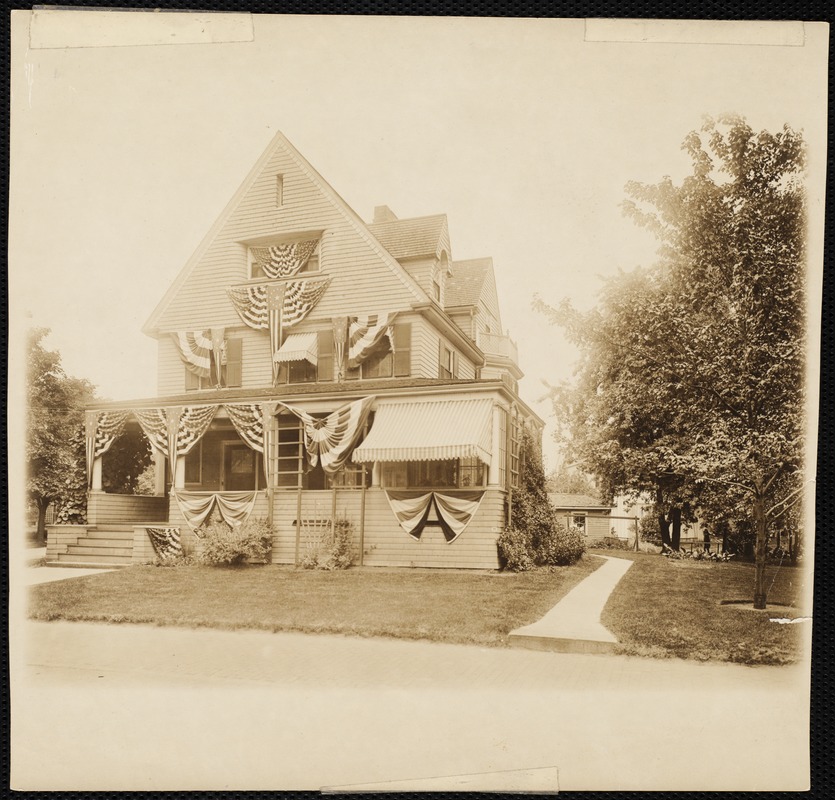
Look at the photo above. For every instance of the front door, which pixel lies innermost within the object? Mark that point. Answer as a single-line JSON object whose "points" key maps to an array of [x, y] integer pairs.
{"points": [[240, 468]]}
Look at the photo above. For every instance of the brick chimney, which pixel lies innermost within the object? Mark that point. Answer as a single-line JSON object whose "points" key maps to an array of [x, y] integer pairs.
{"points": [[383, 214]]}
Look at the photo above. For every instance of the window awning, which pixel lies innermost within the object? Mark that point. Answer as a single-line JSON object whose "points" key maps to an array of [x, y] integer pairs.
{"points": [[299, 347], [429, 431]]}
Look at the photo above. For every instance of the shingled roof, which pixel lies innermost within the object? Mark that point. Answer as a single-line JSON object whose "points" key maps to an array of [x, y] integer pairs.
{"points": [[465, 286], [580, 502], [413, 238]]}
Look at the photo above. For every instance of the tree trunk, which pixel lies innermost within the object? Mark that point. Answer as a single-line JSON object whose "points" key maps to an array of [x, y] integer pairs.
{"points": [[675, 513], [664, 525], [40, 533], [759, 550], [663, 522]]}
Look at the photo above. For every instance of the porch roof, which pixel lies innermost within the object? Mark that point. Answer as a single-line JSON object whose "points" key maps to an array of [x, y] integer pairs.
{"points": [[429, 431]]}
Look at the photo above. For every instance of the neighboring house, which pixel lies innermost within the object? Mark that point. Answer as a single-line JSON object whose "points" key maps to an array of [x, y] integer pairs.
{"points": [[583, 512], [314, 366]]}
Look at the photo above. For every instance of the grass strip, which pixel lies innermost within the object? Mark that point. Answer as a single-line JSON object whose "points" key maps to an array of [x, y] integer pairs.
{"points": [[437, 605]]}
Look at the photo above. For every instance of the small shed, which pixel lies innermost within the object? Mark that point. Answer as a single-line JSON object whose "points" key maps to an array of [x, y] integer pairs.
{"points": [[584, 512]]}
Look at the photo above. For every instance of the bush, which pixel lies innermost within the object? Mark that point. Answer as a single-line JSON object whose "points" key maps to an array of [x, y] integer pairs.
{"points": [[330, 546], [223, 545], [514, 550], [536, 538], [615, 543]]}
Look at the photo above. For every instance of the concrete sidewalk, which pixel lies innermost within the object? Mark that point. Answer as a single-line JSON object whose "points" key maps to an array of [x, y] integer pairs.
{"points": [[573, 625]]}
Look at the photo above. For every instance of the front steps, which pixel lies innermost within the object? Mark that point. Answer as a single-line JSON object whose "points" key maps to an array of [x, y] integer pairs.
{"points": [[107, 547]]}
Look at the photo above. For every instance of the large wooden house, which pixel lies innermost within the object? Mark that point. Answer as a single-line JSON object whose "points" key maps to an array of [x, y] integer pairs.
{"points": [[313, 366]]}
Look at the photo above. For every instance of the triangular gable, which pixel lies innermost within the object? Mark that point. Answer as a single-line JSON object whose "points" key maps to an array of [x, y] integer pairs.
{"points": [[365, 276]]}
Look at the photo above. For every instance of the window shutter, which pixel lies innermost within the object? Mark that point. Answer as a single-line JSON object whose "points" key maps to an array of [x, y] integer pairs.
{"points": [[325, 365], [234, 361], [192, 381], [402, 349], [441, 358], [454, 364]]}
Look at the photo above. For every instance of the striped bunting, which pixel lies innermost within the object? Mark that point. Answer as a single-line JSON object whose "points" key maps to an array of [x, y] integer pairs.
{"points": [[248, 422], [251, 304], [154, 424], [365, 332], [333, 438], [192, 424], [300, 297], [174, 431], [284, 260], [101, 429], [454, 511], [166, 542], [195, 349]]}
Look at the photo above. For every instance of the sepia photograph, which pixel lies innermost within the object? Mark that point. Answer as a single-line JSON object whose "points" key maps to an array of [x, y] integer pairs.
{"points": [[412, 404]]}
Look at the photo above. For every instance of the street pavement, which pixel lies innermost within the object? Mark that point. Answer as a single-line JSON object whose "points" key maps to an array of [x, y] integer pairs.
{"points": [[122, 707]]}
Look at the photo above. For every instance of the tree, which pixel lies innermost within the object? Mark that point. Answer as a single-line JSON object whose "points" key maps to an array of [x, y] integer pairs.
{"points": [[54, 428], [566, 479], [692, 374]]}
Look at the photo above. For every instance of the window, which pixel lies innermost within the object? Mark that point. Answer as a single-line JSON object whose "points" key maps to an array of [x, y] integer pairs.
{"points": [[436, 285], [300, 372], [379, 364], [351, 476], [290, 451], [579, 521], [260, 255], [194, 465], [515, 448], [447, 361], [231, 370], [463, 473], [279, 191]]}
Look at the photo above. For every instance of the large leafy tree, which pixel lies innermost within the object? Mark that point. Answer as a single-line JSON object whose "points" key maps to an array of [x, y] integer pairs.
{"points": [[693, 371], [54, 429]]}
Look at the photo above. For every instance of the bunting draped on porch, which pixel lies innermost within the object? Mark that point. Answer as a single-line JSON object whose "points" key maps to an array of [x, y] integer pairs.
{"points": [[165, 541], [101, 429], [234, 507], [174, 431], [251, 421], [333, 438], [365, 332], [284, 260], [454, 511], [274, 307]]}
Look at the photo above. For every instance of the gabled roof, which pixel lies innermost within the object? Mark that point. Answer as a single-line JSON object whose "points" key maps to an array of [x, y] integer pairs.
{"points": [[413, 238], [575, 501], [281, 144], [466, 284]]}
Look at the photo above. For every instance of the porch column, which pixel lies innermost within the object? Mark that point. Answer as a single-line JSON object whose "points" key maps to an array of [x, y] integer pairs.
{"points": [[376, 473], [97, 485], [180, 473], [495, 446], [159, 473]]}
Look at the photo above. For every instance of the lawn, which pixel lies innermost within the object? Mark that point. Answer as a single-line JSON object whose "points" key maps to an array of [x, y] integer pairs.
{"points": [[665, 608], [439, 605]]}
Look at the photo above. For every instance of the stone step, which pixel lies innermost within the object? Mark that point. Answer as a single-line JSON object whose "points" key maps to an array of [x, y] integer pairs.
{"points": [[94, 560], [83, 550], [114, 541], [111, 528]]}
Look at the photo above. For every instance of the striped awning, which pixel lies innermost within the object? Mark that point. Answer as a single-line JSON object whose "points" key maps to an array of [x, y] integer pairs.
{"points": [[429, 431], [299, 347]]}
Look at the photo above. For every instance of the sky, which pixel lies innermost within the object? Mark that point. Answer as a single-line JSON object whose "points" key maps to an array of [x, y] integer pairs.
{"points": [[524, 132]]}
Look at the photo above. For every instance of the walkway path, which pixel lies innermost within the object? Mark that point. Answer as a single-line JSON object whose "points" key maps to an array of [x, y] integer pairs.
{"points": [[573, 625]]}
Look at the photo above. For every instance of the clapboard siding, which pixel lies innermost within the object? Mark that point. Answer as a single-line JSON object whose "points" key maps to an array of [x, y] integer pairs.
{"points": [[189, 540], [362, 278], [426, 345], [387, 544]]}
